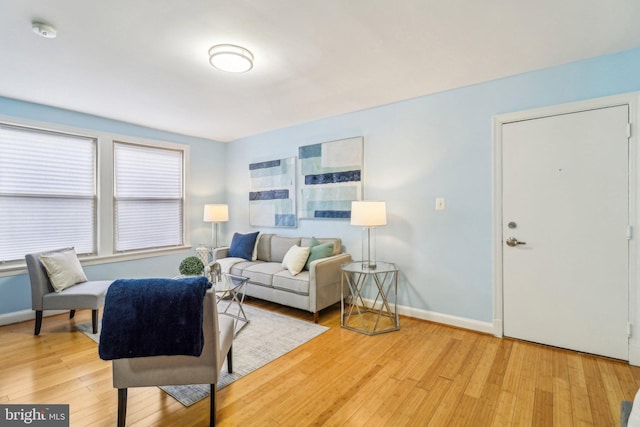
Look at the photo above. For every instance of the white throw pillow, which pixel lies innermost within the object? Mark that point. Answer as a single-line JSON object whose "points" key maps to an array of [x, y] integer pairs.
{"points": [[295, 259], [254, 255], [63, 268]]}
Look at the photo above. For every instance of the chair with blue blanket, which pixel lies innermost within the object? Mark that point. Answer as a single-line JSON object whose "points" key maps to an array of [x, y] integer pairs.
{"points": [[173, 356]]}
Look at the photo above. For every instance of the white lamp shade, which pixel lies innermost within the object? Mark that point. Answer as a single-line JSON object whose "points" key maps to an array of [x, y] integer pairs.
{"points": [[368, 213], [216, 213]]}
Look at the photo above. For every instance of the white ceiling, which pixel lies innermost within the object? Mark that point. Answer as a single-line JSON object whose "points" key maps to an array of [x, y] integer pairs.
{"points": [[145, 61]]}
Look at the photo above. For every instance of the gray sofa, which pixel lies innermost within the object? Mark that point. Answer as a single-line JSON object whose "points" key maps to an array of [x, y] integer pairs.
{"points": [[311, 290]]}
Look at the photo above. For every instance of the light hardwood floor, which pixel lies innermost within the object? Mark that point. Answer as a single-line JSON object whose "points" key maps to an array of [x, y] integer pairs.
{"points": [[424, 374]]}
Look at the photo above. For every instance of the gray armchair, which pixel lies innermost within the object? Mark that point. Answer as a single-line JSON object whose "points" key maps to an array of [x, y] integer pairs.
{"points": [[87, 295], [180, 370]]}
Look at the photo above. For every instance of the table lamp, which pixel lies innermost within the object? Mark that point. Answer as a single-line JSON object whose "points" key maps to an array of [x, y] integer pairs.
{"points": [[369, 215], [215, 214]]}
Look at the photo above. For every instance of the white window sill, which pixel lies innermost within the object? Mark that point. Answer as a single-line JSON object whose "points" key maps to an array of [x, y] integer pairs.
{"points": [[14, 269]]}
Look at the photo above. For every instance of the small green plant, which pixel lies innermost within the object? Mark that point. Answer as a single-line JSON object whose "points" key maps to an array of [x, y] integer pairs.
{"points": [[191, 266]]}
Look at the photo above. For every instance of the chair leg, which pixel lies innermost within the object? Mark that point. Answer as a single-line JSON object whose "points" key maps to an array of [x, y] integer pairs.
{"points": [[212, 405], [94, 320], [72, 314], [122, 406], [38, 322], [230, 360]]}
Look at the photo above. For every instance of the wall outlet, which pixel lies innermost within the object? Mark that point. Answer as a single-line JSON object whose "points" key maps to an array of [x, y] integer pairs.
{"points": [[440, 203]]}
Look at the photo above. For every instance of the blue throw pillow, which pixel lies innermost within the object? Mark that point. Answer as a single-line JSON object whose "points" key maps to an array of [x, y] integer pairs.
{"points": [[242, 245]]}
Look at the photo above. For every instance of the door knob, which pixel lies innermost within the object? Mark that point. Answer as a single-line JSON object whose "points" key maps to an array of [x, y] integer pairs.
{"points": [[512, 241]]}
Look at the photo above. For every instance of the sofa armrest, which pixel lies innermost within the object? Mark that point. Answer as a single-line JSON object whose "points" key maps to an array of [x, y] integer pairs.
{"points": [[219, 253], [324, 278]]}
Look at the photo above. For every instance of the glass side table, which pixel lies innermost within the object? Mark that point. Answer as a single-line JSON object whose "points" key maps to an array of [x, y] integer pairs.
{"points": [[230, 290], [371, 307]]}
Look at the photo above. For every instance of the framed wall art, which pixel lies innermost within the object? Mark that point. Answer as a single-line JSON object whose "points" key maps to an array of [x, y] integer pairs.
{"points": [[330, 177], [272, 193]]}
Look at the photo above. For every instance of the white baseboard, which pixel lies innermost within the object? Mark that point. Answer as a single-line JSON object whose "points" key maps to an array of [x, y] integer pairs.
{"points": [[446, 319], [24, 315]]}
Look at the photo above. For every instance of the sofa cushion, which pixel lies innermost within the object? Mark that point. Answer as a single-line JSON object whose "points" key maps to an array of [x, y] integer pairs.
{"points": [[263, 272], [281, 245], [85, 295], [264, 247], [298, 284], [242, 245], [295, 259], [239, 267], [63, 268]]}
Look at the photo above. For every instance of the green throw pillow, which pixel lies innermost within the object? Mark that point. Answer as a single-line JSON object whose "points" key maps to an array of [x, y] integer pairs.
{"points": [[314, 242], [321, 250]]}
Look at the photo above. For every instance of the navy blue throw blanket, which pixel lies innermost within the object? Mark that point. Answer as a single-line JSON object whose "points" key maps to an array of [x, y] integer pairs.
{"points": [[153, 317]]}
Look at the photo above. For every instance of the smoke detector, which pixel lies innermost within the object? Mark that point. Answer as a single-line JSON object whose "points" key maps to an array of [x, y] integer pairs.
{"points": [[44, 30]]}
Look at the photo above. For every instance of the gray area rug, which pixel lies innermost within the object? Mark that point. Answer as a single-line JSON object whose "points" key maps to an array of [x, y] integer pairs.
{"points": [[267, 337]]}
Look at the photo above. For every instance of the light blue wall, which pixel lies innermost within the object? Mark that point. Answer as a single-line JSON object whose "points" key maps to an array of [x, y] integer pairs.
{"points": [[433, 146], [415, 151], [207, 185]]}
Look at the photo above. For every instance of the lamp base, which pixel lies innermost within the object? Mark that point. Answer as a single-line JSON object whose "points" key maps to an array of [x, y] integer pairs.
{"points": [[369, 249]]}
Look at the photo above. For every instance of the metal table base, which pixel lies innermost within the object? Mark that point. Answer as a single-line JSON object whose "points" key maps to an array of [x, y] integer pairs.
{"points": [[371, 307], [227, 291]]}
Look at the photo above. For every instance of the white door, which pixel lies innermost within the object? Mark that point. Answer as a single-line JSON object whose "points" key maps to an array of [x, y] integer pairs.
{"points": [[566, 199]]}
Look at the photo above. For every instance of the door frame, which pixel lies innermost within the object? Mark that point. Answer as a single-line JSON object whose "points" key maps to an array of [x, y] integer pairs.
{"points": [[632, 101]]}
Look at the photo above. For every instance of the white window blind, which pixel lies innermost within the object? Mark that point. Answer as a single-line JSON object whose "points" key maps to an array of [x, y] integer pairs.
{"points": [[47, 192], [148, 197]]}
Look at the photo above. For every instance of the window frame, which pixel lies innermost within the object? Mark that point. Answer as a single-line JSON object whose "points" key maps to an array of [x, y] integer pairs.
{"points": [[38, 195], [182, 189], [105, 229]]}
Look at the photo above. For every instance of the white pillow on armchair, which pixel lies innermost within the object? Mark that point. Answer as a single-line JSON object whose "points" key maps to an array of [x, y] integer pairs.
{"points": [[63, 268]]}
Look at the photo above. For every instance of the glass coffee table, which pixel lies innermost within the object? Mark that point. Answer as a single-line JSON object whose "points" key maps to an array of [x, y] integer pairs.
{"points": [[230, 291]]}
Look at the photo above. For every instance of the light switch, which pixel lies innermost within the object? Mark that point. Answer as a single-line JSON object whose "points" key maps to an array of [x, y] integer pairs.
{"points": [[440, 203]]}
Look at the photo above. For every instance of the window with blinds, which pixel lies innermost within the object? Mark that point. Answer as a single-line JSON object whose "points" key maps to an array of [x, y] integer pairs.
{"points": [[148, 197], [47, 192]]}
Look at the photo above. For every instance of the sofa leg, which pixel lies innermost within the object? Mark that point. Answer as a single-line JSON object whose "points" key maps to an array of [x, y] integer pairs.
{"points": [[316, 316], [38, 322], [94, 320], [230, 360], [212, 405], [122, 406], [72, 314]]}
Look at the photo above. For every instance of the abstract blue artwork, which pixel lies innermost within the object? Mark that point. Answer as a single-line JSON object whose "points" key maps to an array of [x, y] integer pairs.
{"points": [[330, 176], [272, 193]]}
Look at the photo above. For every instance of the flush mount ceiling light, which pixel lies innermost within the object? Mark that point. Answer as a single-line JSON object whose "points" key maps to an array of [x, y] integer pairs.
{"points": [[44, 30], [231, 58]]}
